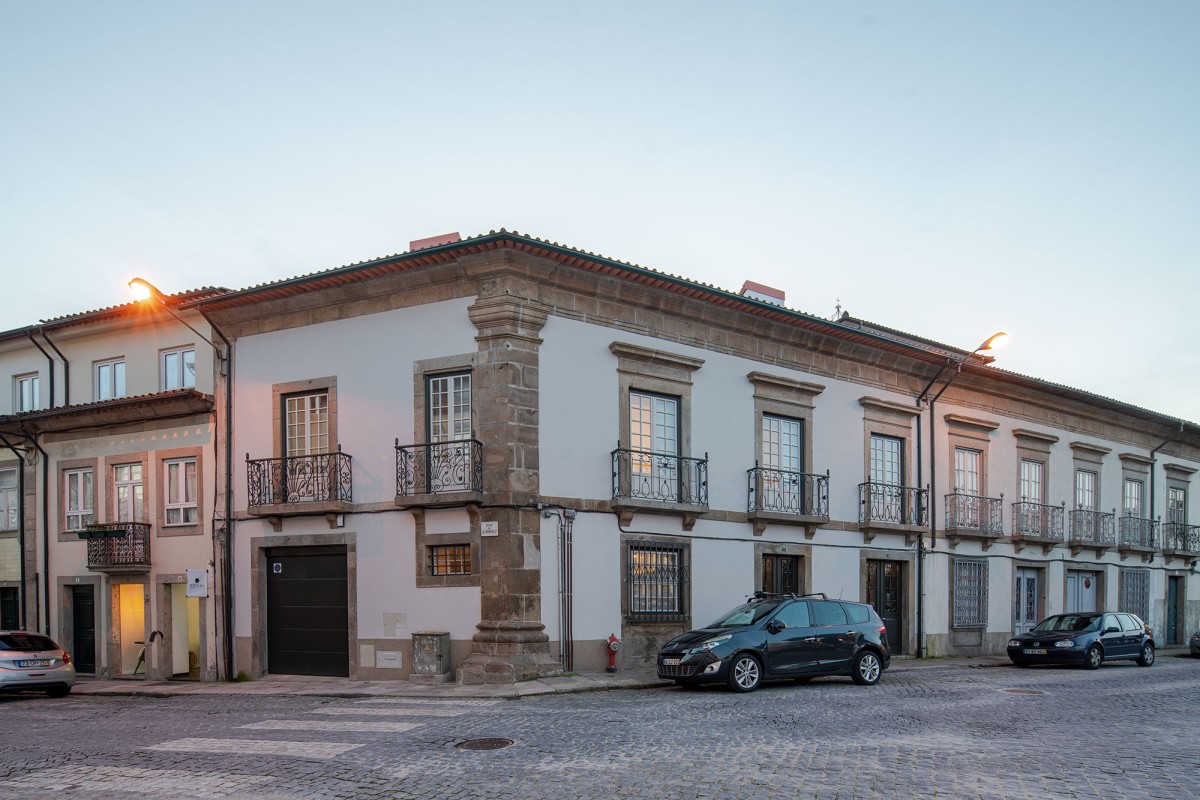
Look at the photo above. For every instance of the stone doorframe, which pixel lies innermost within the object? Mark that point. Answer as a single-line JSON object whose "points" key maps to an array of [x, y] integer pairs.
{"points": [[164, 652]]}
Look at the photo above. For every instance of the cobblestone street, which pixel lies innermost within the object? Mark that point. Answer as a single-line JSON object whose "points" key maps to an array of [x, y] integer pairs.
{"points": [[940, 731]]}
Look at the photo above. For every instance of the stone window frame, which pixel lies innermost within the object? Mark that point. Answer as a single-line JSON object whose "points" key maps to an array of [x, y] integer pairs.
{"points": [[893, 420], [970, 433], [659, 372], [1136, 467], [1034, 446], [161, 457], [98, 495], [424, 541], [428, 368], [1179, 477], [16, 467], [981, 600], [1089, 457], [649, 540], [775, 395], [280, 392], [110, 489], [1133, 587]]}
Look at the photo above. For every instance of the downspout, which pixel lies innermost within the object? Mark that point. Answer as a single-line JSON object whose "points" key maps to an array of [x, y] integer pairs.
{"points": [[920, 551], [1153, 461], [66, 370], [45, 458], [227, 548], [20, 528], [50, 361]]}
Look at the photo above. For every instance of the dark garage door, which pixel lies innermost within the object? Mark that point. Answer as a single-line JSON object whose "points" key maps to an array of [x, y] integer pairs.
{"points": [[307, 629]]}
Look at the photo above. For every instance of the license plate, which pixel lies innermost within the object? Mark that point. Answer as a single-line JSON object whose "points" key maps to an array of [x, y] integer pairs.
{"points": [[671, 662], [34, 662], [1029, 652]]}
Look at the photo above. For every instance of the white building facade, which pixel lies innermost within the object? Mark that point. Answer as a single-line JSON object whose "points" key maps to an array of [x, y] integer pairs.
{"points": [[478, 459]]}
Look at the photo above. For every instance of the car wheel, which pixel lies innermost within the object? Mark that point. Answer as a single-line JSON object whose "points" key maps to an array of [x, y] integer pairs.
{"points": [[59, 691], [1147, 656], [866, 668], [745, 673], [1094, 657]]}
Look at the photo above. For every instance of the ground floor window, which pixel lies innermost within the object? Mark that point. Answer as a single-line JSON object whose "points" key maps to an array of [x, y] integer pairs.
{"points": [[968, 597], [450, 559], [781, 574], [1135, 592], [657, 580]]}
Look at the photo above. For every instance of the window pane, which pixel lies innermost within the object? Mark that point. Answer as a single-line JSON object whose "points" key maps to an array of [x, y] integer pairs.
{"points": [[966, 470], [885, 460], [1085, 490], [189, 369], [1031, 481]]}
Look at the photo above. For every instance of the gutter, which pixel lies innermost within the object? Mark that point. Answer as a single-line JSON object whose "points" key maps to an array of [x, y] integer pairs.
{"points": [[50, 361], [66, 369]]}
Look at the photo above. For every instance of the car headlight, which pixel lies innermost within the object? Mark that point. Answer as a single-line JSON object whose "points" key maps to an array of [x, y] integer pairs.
{"points": [[1065, 643], [1013, 643], [710, 644]]}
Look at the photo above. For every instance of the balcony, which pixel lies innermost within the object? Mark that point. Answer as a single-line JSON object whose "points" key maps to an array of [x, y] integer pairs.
{"points": [[1093, 529], [1137, 535], [1181, 540], [1038, 524], [972, 517], [117, 546], [439, 475], [297, 486], [779, 496], [890, 508], [659, 483]]}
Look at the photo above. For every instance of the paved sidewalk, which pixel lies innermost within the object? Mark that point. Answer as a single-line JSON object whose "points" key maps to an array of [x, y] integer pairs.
{"points": [[562, 684]]}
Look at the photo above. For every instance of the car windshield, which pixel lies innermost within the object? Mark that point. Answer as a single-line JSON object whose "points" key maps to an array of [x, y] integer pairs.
{"points": [[746, 614], [26, 642], [1072, 623]]}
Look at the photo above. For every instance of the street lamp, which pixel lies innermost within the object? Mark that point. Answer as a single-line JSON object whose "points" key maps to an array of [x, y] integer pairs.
{"points": [[145, 291], [992, 342]]}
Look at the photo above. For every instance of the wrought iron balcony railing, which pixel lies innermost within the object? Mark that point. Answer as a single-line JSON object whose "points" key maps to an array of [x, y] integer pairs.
{"points": [[1138, 532], [1179, 537], [320, 478], [1039, 521], [1093, 528], [644, 475], [117, 544], [898, 505], [439, 468], [968, 512], [781, 491]]}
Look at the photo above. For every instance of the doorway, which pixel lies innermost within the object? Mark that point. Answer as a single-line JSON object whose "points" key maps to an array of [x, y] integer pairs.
{"points": [[83, 629], [185, 634], [10, 618], [308, 631], [129, 612], [1025, 600], [885, 592], [1174, 601], [1081, 592]]}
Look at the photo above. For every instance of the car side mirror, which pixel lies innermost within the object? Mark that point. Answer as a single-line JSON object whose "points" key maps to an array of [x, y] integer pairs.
{"points": [[776, 625], [1110, 630]]}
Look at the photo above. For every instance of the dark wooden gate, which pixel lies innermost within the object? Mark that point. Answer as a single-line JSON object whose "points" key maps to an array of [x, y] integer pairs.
{"points": [[885, 592], [83, 627], [307, 612]]}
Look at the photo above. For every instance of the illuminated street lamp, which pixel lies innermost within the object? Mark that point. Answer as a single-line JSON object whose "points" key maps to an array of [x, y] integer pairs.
{"points": [[144, 291]]}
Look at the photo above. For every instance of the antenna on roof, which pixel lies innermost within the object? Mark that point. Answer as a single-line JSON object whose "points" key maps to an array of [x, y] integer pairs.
{"points": [[837, 310]]}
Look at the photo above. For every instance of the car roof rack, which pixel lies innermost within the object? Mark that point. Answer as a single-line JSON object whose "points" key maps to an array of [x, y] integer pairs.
{"points": [[790, 595]]}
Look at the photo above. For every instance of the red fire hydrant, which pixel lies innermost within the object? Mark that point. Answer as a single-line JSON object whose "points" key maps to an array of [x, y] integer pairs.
{"points": [[614, 645]]}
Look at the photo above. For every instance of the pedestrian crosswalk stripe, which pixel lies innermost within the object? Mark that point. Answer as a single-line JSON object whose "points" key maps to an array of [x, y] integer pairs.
{"points": [[257, 747], [390, 712], [361, 726], [138, 780], [413, 701]]}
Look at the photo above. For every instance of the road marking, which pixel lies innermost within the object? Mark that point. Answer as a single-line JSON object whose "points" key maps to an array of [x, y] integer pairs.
{"points": [[412, 701], [362, 726], [159, 782], [390, 712], [257, 747]]}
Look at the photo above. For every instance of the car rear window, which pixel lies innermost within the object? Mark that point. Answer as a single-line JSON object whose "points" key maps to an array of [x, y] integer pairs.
{"points": [[26, 642], [858, 613], [1128, 623], [828, 614]]}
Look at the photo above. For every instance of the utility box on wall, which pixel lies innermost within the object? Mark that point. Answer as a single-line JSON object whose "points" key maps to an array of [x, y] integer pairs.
{"points": [[431, 657]]}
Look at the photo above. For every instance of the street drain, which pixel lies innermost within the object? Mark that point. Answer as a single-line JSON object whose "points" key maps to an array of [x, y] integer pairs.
{"points": [[484, 744], [1023, 691]]}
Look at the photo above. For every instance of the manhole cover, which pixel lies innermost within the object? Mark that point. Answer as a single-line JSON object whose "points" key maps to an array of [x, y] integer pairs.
{"points": [[484, 744], [1023, 691]]}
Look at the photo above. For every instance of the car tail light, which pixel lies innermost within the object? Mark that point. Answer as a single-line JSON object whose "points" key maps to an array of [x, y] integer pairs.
{"points": [[66, 657], [883, 630]]}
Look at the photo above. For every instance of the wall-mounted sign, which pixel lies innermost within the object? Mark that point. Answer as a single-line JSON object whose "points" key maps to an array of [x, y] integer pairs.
{"points": [[489, 529], [197, 583]]}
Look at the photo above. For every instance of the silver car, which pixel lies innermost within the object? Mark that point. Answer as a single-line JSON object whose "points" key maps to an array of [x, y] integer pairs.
{"points": [[33, 662]]}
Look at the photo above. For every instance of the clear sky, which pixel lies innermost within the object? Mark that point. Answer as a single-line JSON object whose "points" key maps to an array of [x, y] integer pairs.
{"points": [[949, 169]]}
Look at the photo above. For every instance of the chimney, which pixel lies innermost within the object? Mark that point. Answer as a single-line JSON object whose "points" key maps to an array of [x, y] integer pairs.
{"points": [[757, 291], [434, 241]]}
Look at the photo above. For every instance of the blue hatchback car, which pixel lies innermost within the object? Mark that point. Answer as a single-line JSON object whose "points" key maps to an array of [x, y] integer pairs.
{"points": [[1085, 640]]}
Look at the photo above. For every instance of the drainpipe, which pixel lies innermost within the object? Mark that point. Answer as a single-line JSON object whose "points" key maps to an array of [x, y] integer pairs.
{"points": [[20, 527], [66, 370], [45, 458], [920, 552], [50, 361], [227, 549], [1154, 461]]}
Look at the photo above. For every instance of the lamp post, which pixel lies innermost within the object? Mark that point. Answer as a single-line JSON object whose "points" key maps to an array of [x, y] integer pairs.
{"points": [[993, 341], [145, 291]]}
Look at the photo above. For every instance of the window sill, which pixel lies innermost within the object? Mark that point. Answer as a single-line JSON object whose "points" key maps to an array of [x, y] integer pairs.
{"points": [[187, 529]]}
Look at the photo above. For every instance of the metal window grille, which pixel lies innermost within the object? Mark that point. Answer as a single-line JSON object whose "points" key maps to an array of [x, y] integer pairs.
{"points": [[450, 559], [1135, 592], [970, 594], [657, 577]]}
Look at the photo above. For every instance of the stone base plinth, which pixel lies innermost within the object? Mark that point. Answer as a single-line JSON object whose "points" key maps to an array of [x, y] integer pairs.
{"points": [[507, 652]]}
